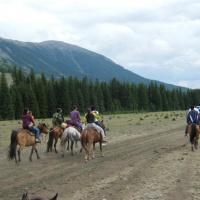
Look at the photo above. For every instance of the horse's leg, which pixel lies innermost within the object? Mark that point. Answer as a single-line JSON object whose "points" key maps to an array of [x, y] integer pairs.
{"points": [[192, 148], [36, 151], [195, 143], [76, 143], [62, 148], [93, 151], [100, 144], [19, 153], [88, 151], [72, 144], [67, 145], [56, 140], [30, 157]]}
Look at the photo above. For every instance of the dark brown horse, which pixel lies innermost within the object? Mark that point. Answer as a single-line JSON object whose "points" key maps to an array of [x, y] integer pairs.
{"points": [[193, 131], [54, 134], [24, 138], [25, 197], [89, 137]]}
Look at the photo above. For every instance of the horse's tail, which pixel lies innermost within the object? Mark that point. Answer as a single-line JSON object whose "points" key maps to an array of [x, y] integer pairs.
{"points": [[83, 139], [193, 133], [50, 141], [13, 145]]}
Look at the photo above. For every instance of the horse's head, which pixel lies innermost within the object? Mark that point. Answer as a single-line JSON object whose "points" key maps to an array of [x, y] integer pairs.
{"points": [[101, 122], [43, 128], [25, 197]]}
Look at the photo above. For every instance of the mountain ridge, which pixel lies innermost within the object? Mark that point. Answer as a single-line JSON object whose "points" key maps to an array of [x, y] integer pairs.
{"points": [[62, 59]]}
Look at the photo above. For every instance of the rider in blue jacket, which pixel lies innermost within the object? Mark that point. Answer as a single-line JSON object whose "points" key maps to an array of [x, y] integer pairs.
{"points": [[192, 116]]}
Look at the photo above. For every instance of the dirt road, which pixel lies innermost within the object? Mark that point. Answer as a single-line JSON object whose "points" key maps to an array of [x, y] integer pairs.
{"points": [[147, 157]]}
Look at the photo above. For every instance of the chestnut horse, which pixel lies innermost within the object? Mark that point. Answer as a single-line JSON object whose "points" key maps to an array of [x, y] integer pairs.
{"points": [[24, 138], [193, 131], [90, 136], [25, 197], [54, 134]]}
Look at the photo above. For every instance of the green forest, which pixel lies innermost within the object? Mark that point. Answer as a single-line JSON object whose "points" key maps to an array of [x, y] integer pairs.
{"points": [[43, 96]]}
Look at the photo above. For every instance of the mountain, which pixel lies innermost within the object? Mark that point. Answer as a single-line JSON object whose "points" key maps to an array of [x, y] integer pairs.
{"points": [[62, 59]]}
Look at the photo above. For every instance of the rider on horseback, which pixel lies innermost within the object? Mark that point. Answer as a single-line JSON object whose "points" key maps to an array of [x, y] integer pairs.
{"points": [[96, 117], [194, 110], [192, 117], [75, 118], [58, 119], [28, 123], [90, 120]]}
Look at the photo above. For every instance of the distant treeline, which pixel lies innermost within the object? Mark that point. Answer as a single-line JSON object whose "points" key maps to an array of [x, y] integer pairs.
{"points": [[44, 95]]}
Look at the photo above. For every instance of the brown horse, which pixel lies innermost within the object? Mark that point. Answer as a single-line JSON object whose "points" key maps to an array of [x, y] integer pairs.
{"points": [[25, 197], [54, 133], [24, 138], [193, 131], [90, 136]]}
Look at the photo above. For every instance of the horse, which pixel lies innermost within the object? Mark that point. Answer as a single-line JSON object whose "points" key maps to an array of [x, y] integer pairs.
{"points": [[102, 126], [24, 138], [71, 134], [90, 136], [193, 130], [54, 133], [25, 197]]}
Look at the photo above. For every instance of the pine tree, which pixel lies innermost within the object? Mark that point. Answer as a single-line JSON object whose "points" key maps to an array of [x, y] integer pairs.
{"points": [[33, 104], [6, 104], [107, 97], [143, 97], [135, 96], [17, 102], [100, 97], [41, 99]]}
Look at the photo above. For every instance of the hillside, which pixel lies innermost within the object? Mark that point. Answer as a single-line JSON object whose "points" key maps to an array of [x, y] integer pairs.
{"points": [[62, 59]]}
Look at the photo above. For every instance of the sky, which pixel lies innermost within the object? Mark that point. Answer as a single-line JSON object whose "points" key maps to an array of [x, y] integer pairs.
{"points": [[156, 39]]}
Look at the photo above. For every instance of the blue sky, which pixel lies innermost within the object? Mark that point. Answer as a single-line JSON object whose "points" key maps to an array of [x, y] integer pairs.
{"points": [[156, 39]]}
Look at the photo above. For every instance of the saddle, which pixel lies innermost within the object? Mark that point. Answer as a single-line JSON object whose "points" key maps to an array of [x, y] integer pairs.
{"points": [[29, 130], [74, 125]]}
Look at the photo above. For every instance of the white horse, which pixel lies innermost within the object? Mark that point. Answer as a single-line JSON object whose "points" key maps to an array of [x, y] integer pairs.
{"points": [[71, 134]]}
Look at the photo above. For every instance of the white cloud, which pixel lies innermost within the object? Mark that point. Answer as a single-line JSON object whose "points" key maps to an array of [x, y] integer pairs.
{"points": [[157, 39]]}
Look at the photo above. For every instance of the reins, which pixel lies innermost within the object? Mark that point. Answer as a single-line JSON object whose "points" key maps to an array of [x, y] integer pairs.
{"points": [[53, 129]]}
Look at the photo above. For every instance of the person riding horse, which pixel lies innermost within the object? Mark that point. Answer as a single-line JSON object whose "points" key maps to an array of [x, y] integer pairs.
{"points": [[28, 124], [97, 117], [192, 117], [75, 118], [58, 119], [90, 123]]}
